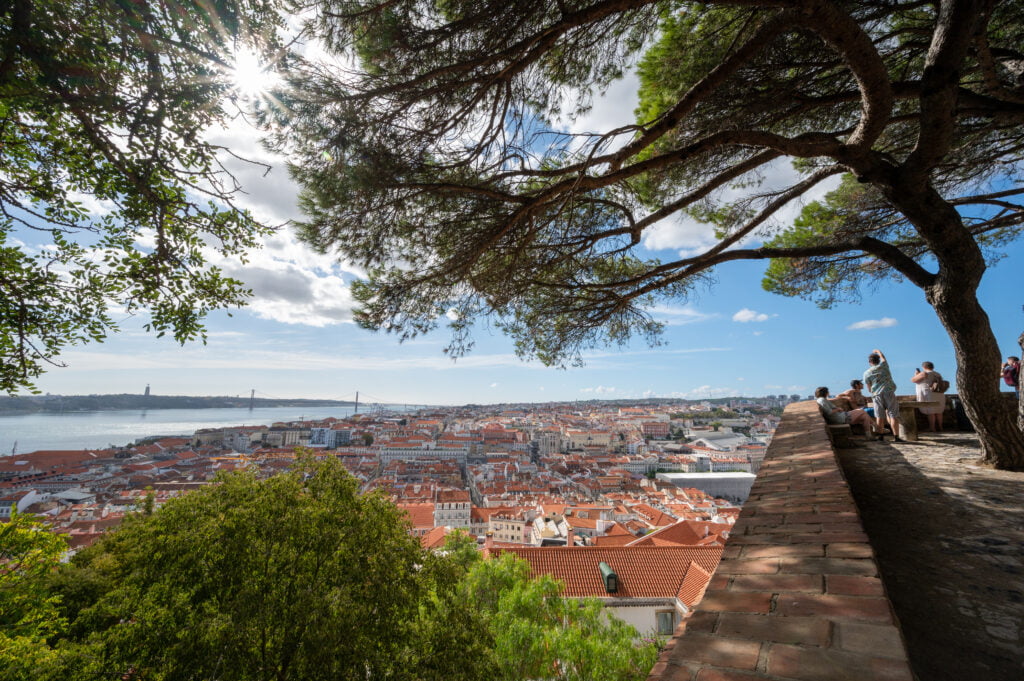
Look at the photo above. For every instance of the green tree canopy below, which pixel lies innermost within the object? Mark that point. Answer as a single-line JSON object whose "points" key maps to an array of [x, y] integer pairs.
{"points": [[298, 577], [29, 612], [436, 161]]}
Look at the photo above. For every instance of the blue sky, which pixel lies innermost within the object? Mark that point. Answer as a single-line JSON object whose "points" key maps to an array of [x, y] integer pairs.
{"points": [[296, 338]]}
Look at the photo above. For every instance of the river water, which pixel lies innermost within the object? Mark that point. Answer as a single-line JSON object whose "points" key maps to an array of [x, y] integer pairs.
{"points": [[82, 430]]}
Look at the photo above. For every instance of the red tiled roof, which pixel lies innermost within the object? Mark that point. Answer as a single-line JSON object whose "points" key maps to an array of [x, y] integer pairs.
{"points": [[47, 458], [643, 571], [685, 532], [482, 514], [613, 539], [435, 538], [452, 495], [694, 584], [586, 523], [618, 530], [420, 515]]}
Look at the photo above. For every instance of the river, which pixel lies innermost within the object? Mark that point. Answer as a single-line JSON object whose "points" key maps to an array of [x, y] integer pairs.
{"points": [[96, 429]]}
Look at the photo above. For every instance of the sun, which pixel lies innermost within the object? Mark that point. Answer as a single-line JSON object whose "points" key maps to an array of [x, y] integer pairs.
{"points": [[251, 77]]}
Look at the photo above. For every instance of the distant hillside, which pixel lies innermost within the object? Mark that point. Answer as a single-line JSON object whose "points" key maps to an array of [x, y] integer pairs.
{"points": [[70, 403]]}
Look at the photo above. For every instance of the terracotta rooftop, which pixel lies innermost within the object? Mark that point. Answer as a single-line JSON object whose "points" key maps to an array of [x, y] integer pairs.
{"points": [[48, 458], [613, 539], [420, 515], [435, 538], [643, 571], [685, 532], [452, 495]]}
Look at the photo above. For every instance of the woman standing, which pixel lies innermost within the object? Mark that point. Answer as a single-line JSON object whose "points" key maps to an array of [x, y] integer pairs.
{"points": [[925, 382], [1011, 374]]}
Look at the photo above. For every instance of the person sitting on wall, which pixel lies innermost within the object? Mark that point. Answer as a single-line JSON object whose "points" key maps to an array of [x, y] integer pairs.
{"points": [[836, 416], [855, 398]]}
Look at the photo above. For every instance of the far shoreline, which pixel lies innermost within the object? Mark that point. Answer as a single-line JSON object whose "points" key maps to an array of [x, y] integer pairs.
{"points": [[55, 404]]}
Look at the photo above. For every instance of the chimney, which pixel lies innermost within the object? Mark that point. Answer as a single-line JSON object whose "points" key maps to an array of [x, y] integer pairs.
{"points": [[488, 544], [570, 540]]}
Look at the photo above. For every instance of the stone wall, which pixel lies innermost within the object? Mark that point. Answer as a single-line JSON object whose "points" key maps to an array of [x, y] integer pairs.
{"points": [[798, 593]]}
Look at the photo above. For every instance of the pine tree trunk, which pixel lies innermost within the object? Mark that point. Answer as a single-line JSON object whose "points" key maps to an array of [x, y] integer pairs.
{"points": [[977, 359], [952, 292]]}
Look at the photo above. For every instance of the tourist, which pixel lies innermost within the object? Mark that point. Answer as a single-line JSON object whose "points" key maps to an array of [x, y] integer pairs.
{"points": [[878, 381], [927, 385], [1011, 374], [837, 416], [855, 398]]}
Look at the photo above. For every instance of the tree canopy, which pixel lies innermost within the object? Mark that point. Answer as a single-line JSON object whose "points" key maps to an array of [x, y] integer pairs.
{"points": [[294, 577], [111, 196], [29, 612], [431, 152], [299, 577]]}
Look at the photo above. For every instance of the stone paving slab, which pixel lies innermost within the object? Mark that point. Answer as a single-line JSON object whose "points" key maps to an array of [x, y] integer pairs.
{"points": [[948, 534]]}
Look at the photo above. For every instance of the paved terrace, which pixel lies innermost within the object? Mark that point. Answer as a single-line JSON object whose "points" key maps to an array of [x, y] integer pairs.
{"points": [[798, 594]]}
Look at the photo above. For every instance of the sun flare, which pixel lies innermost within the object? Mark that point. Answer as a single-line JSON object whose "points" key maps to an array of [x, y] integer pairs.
{"points": [[251, 76]]}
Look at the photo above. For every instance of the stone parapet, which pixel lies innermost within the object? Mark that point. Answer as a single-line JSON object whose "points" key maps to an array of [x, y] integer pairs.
{"points": [[798, 593]]}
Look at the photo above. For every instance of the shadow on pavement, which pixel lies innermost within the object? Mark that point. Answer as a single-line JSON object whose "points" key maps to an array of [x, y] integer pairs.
{"points": [[949, 539]]}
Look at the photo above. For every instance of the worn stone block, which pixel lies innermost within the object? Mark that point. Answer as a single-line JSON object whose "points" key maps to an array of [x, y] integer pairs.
{"points": [[832, 606]]}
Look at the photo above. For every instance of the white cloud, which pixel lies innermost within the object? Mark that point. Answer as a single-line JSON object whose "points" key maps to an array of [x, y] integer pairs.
{"points": [[98, 207], [681, 233], [677, 316], [747, 315], [599, 390], [285, 292], [882, 323], [494, 385], [653, 352], [690, 237], [704, 392]]}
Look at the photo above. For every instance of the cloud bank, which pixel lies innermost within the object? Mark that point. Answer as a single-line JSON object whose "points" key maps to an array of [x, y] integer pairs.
{"points": [[867, 324]]}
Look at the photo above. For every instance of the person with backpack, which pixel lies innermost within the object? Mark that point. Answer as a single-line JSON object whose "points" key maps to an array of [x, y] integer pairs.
{"points": [[931, 387], [1011, 374]]}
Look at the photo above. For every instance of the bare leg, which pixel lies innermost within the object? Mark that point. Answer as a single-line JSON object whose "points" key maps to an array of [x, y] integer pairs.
{"points": [[881, 423], [866, 422], [895, 427]]}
